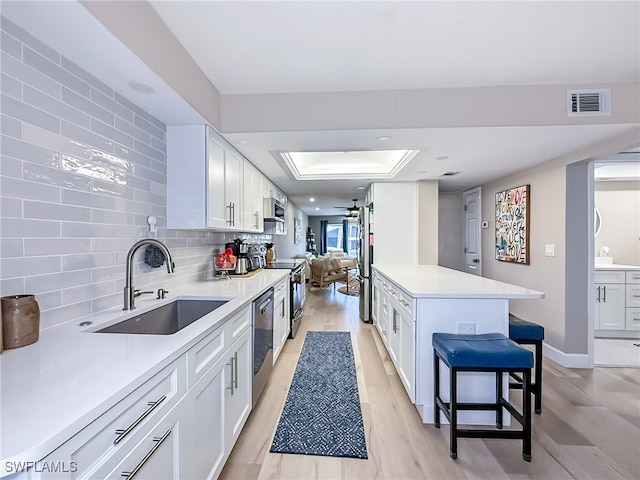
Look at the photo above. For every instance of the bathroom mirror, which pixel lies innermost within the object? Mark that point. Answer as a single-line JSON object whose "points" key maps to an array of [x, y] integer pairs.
{"points": [[597, 221]]}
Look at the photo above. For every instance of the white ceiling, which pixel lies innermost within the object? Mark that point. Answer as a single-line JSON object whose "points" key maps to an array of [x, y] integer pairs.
{"points": [[283, 47]]}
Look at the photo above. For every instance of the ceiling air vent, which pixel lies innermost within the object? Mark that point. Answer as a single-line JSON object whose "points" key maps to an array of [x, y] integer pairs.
{"points": [[449, 174], [588, 102]]}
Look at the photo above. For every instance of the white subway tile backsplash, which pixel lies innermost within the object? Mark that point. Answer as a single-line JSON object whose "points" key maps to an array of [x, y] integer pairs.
{"points": [[50, 69], [11, 87], [108, 103], [85, 136], [75, 197], [26, 38], [10, 127], [55, 211], [55, 246], [87, 230], [88, 292], [11, 286], [10, 45], [151, 129], [86, 76], [11, 247], [54, 107], [27, 113], [87, 106], [87, 261], [18, 70], [54, 176], [82, 167], [131, 106], [107, 131], [64, 314], [57, 281], [27, 266], [19, 227], [10, 207], [14, 187], [133, 130], [23, 150]]}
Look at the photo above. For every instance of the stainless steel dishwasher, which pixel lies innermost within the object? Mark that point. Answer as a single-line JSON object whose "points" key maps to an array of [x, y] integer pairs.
{"points": [[262, 342]]}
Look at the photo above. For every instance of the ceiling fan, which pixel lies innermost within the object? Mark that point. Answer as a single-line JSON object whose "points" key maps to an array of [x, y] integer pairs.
{"points": [[352, 211]]}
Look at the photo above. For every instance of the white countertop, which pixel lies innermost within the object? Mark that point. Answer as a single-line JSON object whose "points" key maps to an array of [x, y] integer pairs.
{"points": [[53, 388], [433, 281], [615, 266]]}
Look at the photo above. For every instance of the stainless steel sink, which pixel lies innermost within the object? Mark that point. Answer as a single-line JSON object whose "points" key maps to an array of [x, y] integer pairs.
{"points": [[167, 319]]}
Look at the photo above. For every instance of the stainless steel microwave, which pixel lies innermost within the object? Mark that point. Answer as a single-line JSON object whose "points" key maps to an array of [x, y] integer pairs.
{"points": [[273, 210]]}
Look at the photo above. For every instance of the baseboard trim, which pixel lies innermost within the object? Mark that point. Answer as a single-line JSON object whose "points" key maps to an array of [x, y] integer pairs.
{"points": [[568, 360]]}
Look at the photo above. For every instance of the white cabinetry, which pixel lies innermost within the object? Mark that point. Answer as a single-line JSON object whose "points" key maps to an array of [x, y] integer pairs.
{"points": [[253, 204], [617, 304], [204, 179], [220, 400], [396, 325], [141, 432], [281, 317]]}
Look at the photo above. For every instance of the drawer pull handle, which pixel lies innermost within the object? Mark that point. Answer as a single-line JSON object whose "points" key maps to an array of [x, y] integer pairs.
{"points": [[158, 440], [152, 406]]}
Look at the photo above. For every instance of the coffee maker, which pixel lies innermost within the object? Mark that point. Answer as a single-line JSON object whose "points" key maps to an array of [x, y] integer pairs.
{"points": [[241, 250]]}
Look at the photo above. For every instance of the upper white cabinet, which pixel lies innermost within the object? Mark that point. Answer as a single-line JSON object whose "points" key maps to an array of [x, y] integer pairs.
{"points": [[271, 191], [204, 179], [253, 210]]}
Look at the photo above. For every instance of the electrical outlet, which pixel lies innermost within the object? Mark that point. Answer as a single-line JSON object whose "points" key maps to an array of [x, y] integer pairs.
{"points": [[466, 328]]}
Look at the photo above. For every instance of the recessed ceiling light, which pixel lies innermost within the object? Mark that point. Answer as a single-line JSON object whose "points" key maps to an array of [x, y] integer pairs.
{"points": [[442, 157], [421, 172], [317, 208], [384, 138], [141, 88], [312, 199], [243, 141], [359, 188]]}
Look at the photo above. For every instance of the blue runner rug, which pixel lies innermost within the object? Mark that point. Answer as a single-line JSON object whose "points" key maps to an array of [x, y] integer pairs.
{"points": [[322, 415]]}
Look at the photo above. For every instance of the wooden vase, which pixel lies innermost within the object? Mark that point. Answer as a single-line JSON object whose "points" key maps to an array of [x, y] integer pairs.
{"points": [[20, 320]]}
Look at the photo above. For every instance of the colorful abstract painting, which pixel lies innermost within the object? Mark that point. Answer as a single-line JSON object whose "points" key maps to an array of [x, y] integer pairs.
{"points": [[512, 225]]}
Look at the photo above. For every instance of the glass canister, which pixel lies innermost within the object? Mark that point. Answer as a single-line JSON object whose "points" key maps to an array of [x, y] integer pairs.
{"points": [[20, 320]]}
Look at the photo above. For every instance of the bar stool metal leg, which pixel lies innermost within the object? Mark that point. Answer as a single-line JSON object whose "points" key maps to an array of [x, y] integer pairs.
{"points": [[436, 386], [499, 400], [453, 409], [537, 390]]}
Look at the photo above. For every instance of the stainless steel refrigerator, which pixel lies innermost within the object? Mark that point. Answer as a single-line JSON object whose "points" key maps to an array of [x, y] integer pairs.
{"points": [[365, 259]]}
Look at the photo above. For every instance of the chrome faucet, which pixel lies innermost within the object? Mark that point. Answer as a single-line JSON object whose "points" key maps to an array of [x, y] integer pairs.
{"points": [[129, 291]]}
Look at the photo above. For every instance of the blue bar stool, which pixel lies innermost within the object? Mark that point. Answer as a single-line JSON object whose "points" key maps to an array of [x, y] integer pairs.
{"points": [[528, 333], [489, 352]]}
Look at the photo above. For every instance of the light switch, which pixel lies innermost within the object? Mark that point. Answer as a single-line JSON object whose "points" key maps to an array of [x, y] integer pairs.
{"points": [[550, 250]]}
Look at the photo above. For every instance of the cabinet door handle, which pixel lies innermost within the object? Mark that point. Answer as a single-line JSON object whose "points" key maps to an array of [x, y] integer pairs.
{"points": [[158, 441], [257, 215], [604, 293], [282, 310], [598, 294], [394, 321], [230, 387], [235, 369], [152, 406]]}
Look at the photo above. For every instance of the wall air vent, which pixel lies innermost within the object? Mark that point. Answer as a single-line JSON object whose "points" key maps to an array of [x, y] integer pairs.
{"points": [[449, 174], [588, 102]]}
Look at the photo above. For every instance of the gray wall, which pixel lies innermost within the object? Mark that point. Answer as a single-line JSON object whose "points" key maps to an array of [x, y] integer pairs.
{"points": [[619, 205], [450, 230], [314, 223], [81, 169]]}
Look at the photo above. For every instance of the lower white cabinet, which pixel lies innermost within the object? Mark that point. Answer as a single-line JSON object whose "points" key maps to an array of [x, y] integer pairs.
{"points": [[617, 301], [281, 317], [395, 321], [218, 405]]}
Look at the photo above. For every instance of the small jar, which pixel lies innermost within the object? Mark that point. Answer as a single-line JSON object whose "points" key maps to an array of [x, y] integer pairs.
{"points": [[20, 320]]}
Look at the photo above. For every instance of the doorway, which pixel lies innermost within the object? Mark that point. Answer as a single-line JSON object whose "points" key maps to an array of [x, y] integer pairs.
{"points": [[472, 202]]}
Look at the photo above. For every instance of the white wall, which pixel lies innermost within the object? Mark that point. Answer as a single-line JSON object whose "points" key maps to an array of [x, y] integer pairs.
{"points": [[284, 244]]}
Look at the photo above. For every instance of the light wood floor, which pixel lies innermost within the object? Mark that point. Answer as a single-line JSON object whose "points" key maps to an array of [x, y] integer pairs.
{"points": [[589, 427]]}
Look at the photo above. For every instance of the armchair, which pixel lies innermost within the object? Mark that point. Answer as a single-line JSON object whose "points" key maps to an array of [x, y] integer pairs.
{"points": [[325, 271], [345, 260]]}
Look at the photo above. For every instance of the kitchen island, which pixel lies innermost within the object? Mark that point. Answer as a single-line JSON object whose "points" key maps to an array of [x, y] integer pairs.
{"points": [[411, 302], [67, 398]]}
